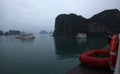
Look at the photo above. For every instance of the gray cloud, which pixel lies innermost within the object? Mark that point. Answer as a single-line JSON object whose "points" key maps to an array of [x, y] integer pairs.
{"points": [[36, 15]]}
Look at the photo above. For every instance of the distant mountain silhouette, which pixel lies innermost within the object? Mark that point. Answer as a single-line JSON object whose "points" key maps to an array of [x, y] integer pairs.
{"points": [[107, 21], [14, 32], [6, 33], [43, 32], [1, 32], [11, 32]]}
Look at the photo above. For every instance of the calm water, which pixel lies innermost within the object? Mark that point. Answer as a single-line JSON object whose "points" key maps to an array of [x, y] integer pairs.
{"points": [[45, 54]]}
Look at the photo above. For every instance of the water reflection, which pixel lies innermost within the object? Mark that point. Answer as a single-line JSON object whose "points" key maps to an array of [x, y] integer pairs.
{"points": [[26, 40], [5, 39], [71, 48], [96, 41]]}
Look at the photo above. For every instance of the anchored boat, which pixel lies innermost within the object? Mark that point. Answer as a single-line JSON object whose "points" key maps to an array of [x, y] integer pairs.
{"points": [[26, 36], [81, 35]]}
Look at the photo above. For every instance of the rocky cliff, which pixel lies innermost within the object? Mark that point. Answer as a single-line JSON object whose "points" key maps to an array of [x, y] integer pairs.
{"points": [[106, 21], [72, 24], [68, 25]]}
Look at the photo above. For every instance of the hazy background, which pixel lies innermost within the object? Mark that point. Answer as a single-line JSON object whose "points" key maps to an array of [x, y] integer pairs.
{"points": [[37, 15]]}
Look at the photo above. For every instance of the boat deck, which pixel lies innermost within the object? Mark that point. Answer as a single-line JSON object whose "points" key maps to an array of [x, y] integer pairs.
{"points": [[82, 69], [117, 68]]}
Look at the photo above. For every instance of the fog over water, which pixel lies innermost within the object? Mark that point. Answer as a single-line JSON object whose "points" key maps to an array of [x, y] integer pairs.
{"points": [[37, 15]]}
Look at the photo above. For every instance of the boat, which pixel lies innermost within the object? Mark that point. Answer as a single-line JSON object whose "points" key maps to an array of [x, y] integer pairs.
{"points": [[102, 58], [81, 35], [26, 36]]}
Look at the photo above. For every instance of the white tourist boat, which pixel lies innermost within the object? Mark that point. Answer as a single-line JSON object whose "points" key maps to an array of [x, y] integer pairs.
{"points": [[81, 35], [26, 36]]}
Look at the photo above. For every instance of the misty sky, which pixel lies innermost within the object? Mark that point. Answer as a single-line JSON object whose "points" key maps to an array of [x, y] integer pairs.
{"points": [[37, 15]]}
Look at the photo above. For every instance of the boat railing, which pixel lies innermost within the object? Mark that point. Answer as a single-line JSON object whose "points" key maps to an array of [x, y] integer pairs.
{"points": [[117, 67]]}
